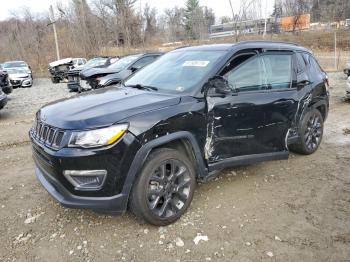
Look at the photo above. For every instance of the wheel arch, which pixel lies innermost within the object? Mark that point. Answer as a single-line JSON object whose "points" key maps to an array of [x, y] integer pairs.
{"points": [[321, 106], [182, 140]]}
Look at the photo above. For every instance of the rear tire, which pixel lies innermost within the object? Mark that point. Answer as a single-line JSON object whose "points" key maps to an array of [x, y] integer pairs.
{"points": [[164, 189], [310, 133]]}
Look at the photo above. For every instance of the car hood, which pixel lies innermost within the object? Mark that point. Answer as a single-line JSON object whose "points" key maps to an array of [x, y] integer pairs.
{"points": [[105, 80], [82, 68], [16, 76], [103, 107], [91, 72], [23, 68]]}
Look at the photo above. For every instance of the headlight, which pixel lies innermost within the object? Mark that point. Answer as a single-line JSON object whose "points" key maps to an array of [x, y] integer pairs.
{"points": [[97, 137]]}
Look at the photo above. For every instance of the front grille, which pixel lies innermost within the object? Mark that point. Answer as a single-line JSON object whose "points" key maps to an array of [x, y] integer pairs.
{"points": [[73, 78], [15, 82], [47, 135]]}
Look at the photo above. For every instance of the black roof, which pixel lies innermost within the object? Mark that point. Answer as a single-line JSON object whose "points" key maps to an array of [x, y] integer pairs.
{"points": [[248, 44]]}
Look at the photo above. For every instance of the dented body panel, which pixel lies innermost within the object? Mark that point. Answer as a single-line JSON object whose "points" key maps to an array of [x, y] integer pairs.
{"points": [[216, 129]]}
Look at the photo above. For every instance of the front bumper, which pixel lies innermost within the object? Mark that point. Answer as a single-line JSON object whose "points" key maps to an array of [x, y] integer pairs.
{"points": [[27, 82], [21, 82], [114, 204], [116, 160], [73, 86]]}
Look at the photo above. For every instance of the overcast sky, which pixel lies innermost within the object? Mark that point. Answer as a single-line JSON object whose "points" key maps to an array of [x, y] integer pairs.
{"points": [[220, 7]]}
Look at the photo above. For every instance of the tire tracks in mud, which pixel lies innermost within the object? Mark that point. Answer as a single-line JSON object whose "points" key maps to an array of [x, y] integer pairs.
{"points": [[14, 144]]}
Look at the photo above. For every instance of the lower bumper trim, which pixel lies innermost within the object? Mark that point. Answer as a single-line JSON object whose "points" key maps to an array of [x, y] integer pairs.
{"points": [[115, 205]]}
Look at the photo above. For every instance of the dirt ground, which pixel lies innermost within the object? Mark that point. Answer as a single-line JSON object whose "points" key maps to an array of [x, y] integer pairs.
{"points": [[295, 210]]}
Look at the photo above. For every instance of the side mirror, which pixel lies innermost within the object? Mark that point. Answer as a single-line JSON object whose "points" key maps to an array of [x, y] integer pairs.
{"points": [[218, 86], [134, 69]]}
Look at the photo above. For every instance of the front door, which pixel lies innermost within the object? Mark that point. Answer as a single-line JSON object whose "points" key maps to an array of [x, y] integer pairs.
{"points": [[254, 119]]}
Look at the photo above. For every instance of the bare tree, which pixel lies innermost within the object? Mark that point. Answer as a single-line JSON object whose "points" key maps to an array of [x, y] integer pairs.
{"points": [[242, 14], [174, 24], [150, 17]]}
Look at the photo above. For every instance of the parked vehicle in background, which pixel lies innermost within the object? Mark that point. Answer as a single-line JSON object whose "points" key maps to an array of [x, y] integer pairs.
{"points": [[5, 84], [181, 119], [18, 65], [347, 22], [347, 91], [73, 75], [3, 99], [58, 69], [19, 77], [347, 68], [95, 78]]}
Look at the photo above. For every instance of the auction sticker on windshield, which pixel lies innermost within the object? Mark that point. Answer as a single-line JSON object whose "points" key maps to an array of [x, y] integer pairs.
{"points": [[196, 63]]}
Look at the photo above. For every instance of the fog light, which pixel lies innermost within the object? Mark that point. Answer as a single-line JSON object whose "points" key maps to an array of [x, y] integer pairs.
{"points": [[86, 179]]}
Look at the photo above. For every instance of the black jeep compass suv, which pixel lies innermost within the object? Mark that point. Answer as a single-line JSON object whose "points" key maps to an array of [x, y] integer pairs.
{"points": [[191, 113]]}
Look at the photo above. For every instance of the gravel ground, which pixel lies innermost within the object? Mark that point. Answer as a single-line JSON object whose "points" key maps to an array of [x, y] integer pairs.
{"points": [[294, 210]]}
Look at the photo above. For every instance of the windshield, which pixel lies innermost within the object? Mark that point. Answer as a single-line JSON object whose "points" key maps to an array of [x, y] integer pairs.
{"points": [[124, 62], [14, 64], [96, 61], [177, 71]]}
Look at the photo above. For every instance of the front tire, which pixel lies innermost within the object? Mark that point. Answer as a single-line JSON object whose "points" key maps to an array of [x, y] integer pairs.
{"points": [[164, 189], [310, 133], [54, 80]]}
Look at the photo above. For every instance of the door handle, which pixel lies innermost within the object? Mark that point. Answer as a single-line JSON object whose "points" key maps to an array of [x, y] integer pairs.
{"points": [[303, 83]]}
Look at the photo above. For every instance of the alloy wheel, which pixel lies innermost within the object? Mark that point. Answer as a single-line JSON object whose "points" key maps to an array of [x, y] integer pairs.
{"points": [[168, 188], [313, 132]]}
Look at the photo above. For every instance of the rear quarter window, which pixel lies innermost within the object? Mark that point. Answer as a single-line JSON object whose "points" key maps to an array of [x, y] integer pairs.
{"points": [[301, 63]]}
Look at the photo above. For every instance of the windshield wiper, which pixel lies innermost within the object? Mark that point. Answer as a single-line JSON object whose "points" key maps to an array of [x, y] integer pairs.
{"points": [[143, 87]]}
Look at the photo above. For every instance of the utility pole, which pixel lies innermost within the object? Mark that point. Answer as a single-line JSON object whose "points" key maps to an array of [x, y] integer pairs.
{"points": [[335, 50], [265, 14], [233, 20], [233, 14], [53, 23]]}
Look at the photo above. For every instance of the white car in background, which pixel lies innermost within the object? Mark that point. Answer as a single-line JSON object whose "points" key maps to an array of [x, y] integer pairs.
{"points": [[19, 77], [17, 65]]}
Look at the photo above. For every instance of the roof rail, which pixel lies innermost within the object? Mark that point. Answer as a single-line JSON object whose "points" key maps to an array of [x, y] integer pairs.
{"points": [[267, 41], [182, 47]]}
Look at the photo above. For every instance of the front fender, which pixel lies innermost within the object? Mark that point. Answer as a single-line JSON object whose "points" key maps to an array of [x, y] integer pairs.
{"points": [[144, 151]]}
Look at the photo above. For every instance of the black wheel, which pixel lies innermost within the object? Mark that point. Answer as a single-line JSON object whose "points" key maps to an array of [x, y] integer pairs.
{"points": [[54, 80], [164, 189], [310, 133]]}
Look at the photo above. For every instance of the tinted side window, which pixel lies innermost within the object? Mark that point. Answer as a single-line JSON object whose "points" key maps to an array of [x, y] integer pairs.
{"points": [[278, 70], [143, 62], [248, 76]]}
